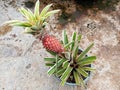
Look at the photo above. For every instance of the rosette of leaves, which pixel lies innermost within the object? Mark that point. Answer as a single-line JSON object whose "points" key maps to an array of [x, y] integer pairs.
{"points": [[35, 21], [73, 65]]}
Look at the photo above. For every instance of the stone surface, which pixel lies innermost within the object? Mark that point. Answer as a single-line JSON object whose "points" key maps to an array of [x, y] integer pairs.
{"points": [[21, 56]]}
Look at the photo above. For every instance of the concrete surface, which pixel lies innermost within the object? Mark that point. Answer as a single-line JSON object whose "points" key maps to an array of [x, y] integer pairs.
{"points": [[21, 56]]}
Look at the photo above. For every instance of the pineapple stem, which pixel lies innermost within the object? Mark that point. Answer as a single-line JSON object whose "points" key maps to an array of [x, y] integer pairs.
{"points": [[41, 34]]}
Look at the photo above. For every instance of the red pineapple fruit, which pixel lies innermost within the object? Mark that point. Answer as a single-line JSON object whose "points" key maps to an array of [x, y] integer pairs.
{"points": [[51, 43]]}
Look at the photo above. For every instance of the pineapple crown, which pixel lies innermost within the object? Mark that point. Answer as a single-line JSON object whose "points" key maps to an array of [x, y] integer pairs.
{"points": [[35, 21], [71, 61]]}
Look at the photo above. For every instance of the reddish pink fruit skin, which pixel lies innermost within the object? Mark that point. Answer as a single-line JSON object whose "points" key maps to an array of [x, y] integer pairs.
{"points": [[52, 44]]}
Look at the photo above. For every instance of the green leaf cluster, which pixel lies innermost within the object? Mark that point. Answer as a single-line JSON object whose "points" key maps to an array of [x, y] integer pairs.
{"points": [[35, 21]]}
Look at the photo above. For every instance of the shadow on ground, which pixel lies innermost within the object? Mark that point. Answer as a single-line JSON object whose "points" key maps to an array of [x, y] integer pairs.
{"points": [[81, 8]]}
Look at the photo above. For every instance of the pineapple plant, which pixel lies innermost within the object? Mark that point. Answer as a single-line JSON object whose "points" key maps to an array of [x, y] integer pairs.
{"points": [[73, 66], [69, 63], [35, 24]]}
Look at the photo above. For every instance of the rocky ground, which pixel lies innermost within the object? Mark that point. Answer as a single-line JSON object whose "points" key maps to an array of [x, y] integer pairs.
{"points": [[21, 56]]}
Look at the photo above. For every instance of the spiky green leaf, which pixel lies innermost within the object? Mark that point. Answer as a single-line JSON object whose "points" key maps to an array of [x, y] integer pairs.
{"points": [[88, 68], [68, 45], [36, 10], [52, 53], [51, 13], [79, 38], [82, 81], [82, 72], [19, 23], [84, 52], [45, 10], [66, 74], [56, 62], [65, 64], [73, 39], [77, 78], [53, 68], [65, 37], [87, 60], [32, 18], [50, 59], [75, 52], [60, 72], [27, 14], [49, 64]]}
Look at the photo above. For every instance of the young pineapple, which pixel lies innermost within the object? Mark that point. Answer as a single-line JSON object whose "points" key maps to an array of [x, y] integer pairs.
{"points": [[35, 24], [52, 44]]}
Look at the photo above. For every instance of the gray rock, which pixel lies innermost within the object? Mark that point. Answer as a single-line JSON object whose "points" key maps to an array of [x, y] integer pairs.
{"points": [[21, 56]]}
